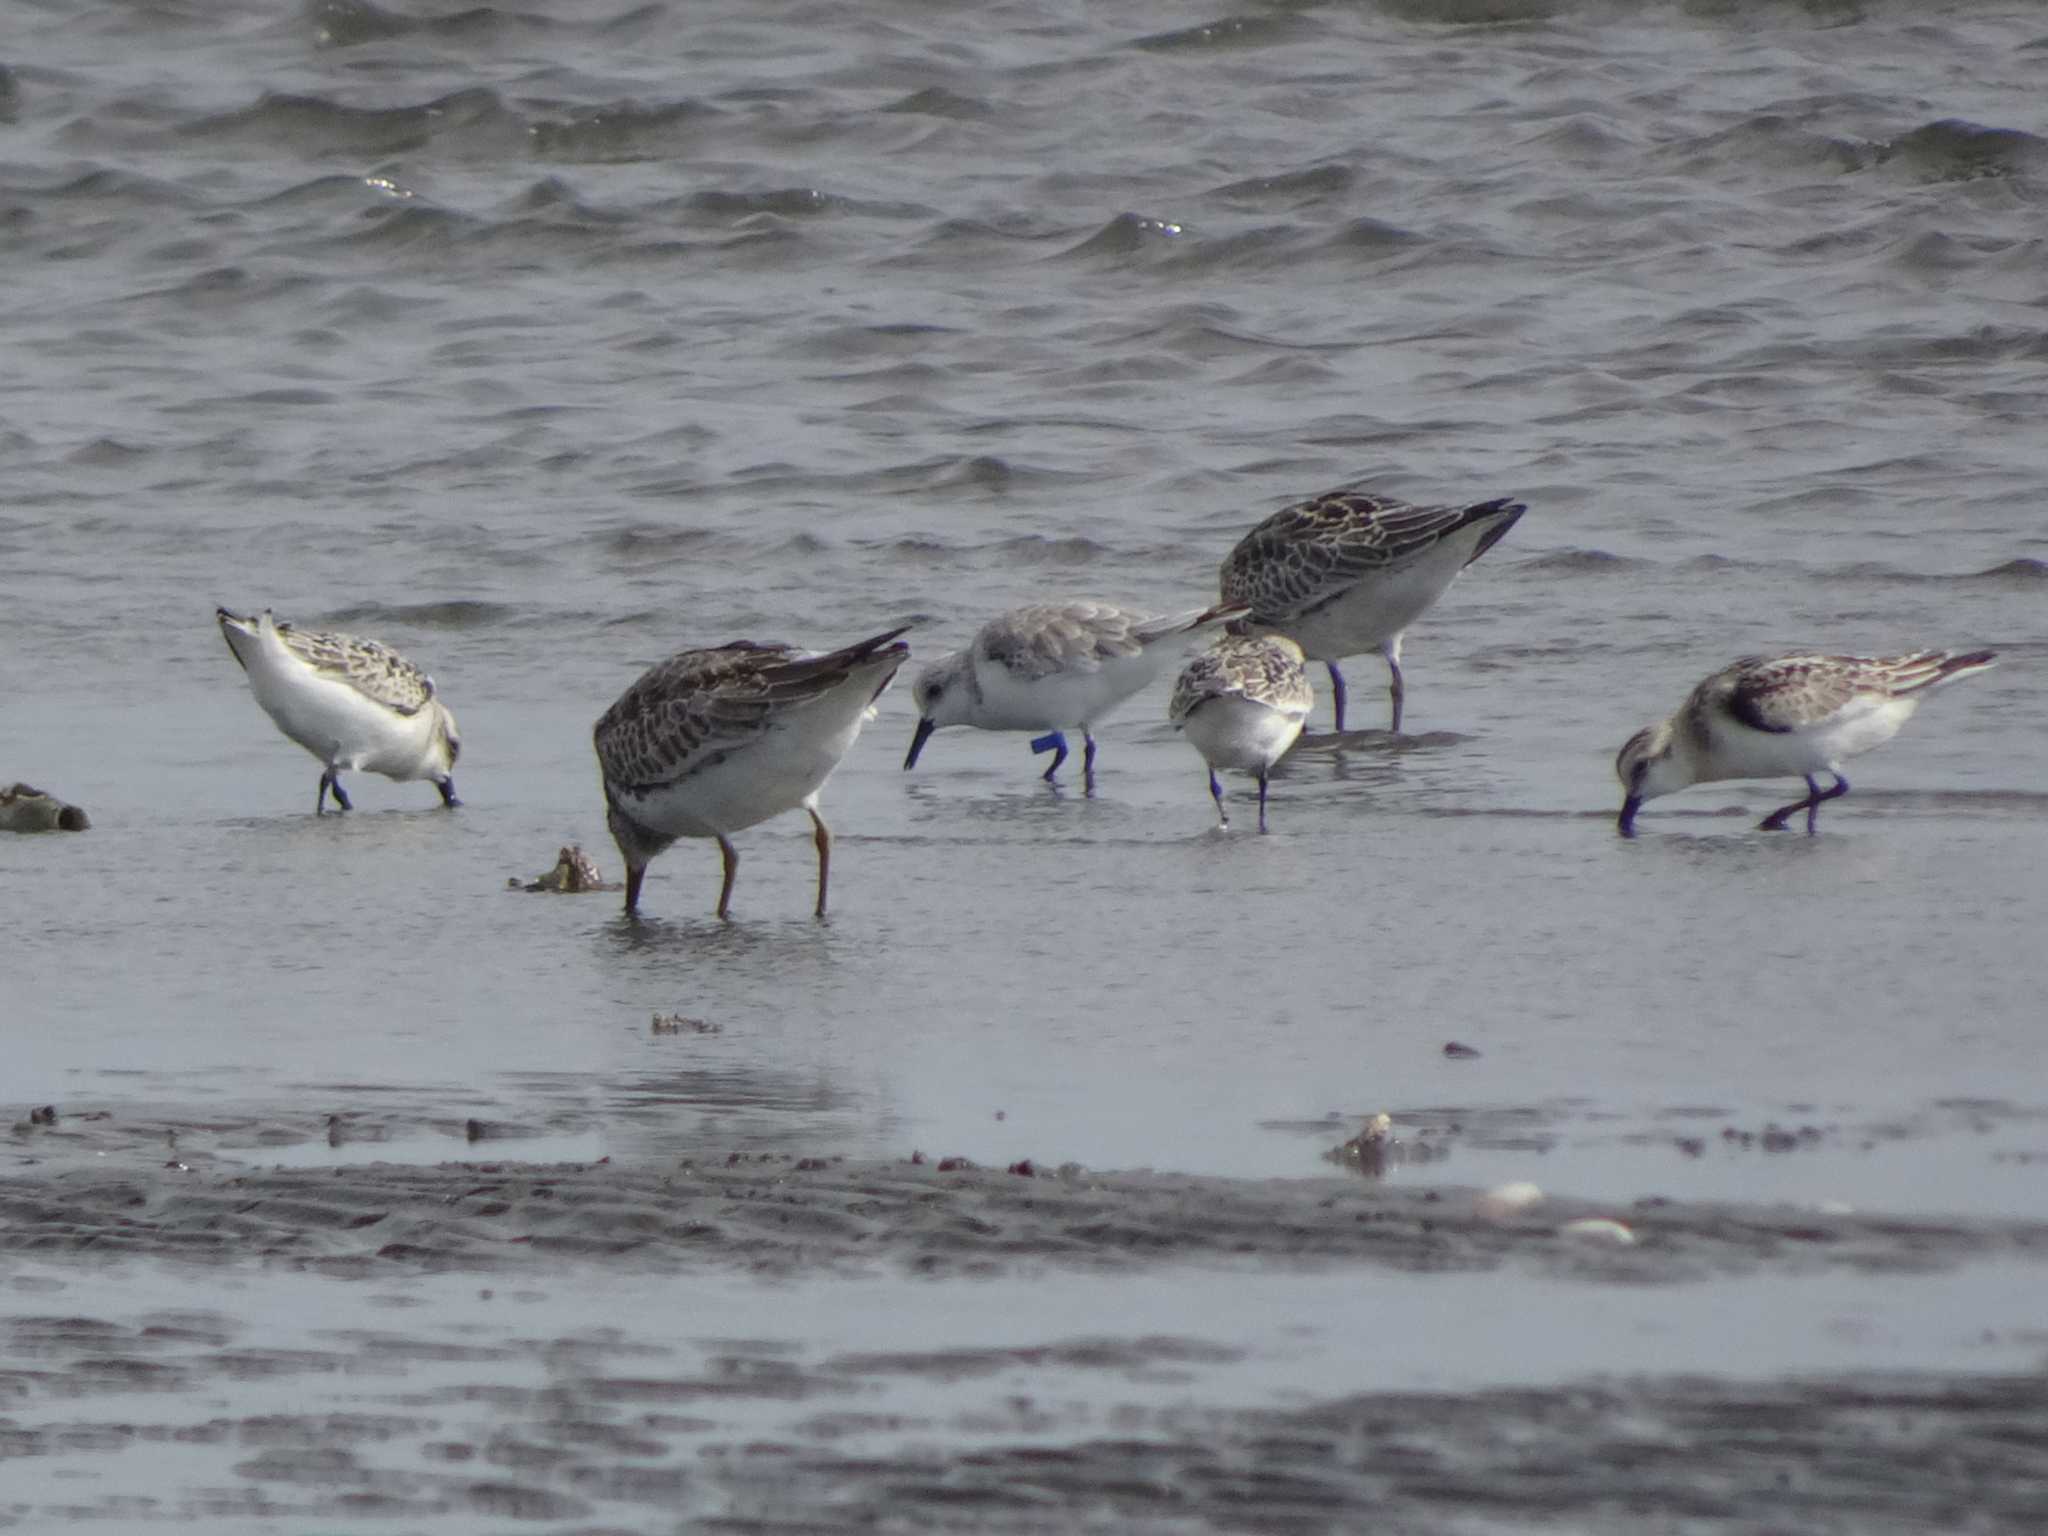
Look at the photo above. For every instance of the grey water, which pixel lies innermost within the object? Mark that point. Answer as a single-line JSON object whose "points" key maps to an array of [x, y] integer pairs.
{"points": [[541, 342]]}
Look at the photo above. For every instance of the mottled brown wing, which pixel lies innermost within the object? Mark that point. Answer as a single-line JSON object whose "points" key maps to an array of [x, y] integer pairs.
{"points": [[1200, 680], [1308, 554], [370, 667], [687, 712], [1789, 693], [1258, 668], [1040, 641], [681, 711]]}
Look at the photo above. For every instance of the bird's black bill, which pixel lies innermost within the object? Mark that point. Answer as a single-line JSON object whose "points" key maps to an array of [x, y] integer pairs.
{"points": [[1626, 825], [924, 734]]}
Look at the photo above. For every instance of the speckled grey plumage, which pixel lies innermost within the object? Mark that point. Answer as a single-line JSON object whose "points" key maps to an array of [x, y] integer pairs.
{"points": [[1267, 669], [370, 667], [687, 712], [1313, 552]]}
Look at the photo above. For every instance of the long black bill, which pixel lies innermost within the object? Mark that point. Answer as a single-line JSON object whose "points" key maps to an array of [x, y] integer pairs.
{"points": [[924, 734], [1627, 824]]}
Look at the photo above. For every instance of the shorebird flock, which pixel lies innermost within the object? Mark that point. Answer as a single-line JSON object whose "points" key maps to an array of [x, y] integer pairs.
{"points": [[713, 741]]}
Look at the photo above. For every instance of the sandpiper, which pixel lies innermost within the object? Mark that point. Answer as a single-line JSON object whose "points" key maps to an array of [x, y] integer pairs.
{"points": [[355, 704], [1242, 703], [1050, 666], [1764, 716], [1349, 571], [712, 741]]}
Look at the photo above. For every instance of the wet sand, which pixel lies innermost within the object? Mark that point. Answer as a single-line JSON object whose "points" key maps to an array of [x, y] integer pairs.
{"points": [[781, 1215], [781, 1342]]}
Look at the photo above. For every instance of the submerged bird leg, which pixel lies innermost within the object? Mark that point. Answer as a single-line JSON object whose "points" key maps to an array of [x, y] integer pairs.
{"points": [[822, 836], [1262, 802], [447, 788], [1088, 758], [330, 781], [1055, 743], [1216, 794], [635, 873], [1337, 693], [1395, 691], [1841, 787], [1775, 822], [731, 855]]}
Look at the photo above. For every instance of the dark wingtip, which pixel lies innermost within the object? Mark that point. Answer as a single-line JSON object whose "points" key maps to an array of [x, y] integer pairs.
{"points": [[1232, 614], [897, 629], [1507, 510]]}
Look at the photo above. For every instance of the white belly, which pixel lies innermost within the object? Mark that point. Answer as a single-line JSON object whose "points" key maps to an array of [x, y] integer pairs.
{"points": [[1238, 734], [338, 725], [775, 772], [1009, 703], [1372, 615], [1748, 754]]}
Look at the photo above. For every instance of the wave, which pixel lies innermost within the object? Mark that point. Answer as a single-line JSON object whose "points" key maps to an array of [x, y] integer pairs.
{"points": [[1294, 189], [314, 126], [476, 122], [2022, 572], [1039, 549], [1128, 234], [1777, 140], [937, 101], [1954, 149], [1260, 31], [1579, 562], [1474, 13], [354, 23], [618, 132], [454, 613]]}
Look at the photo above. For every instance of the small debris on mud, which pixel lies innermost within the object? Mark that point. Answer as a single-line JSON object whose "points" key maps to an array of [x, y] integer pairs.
{"points": [[574, 873], [683, 1024]]}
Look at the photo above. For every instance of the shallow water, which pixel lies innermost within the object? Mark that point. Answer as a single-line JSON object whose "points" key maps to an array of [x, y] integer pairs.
{"points": [[540, 344], [442, 1399]]}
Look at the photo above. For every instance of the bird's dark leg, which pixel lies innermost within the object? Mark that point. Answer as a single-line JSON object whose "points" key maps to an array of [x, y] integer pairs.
{"points": [[1055, 743], [635, 873], [731, 855], [1841, 787], [1088, 760], [1262, 802], [1395, 691], [1337, 693], [330, 782], [1775, 822], [447, 788], [822, 836], [1216, 794]]}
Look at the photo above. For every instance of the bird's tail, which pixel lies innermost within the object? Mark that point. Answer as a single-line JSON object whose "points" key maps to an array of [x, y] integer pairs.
{"points": [[1930, 669], [1191, 621], [1499, 516]]}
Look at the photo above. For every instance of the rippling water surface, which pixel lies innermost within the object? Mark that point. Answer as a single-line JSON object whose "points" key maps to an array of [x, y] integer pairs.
{"points": [[542, 342]]}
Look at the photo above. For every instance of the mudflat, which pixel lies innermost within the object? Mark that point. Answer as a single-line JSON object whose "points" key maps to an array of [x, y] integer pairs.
{"points": [[781, 1342]]}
